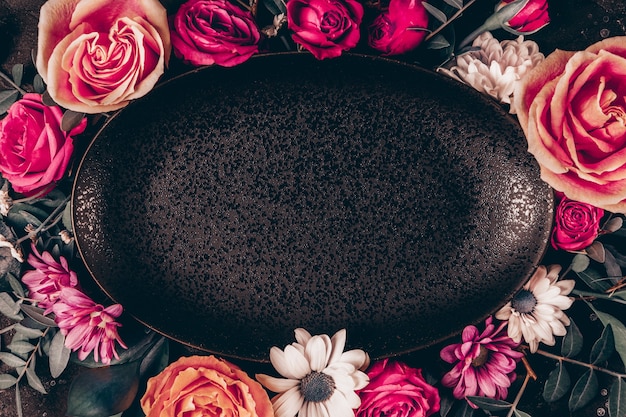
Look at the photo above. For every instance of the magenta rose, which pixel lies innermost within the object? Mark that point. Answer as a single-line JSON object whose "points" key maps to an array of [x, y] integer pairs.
{"points": [[97, 55], [207, 32], [572, 109], [396, 31], [577, 225], [528, 16], [326, 28], [397, 390], [34, 151]]}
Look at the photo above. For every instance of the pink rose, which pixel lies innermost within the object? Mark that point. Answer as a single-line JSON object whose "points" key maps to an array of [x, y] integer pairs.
{"points": [[394, 32], [571, 107], [397, 390], [34, 151], [97, 55], [207, 32], [326, 28], [529, 15], [577, 225]]}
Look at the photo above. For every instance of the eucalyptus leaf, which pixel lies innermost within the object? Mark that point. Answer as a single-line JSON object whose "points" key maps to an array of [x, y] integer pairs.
{"points": [[457, 4], [596, 252], [520, 413], [445, 405], [557, 384], [28, 332], [435, 12], [585, 389], [613, 271], [18, 401], [604, 347], [580, 262], [7, 381], [20, 347], [105, 391], [36, 314], [489, 404], [613, 225], [15, 285], [275, 7], [17, 72], [619, 258], [7, 98], [156, 359], [71, 119], [67, 218], [58, 355], [38, 85], [619, 331], [617, 398], [30, 218], [18, 221], [33, 379], [11, 359], [464, 411], [438, 42], [594, 280], [572, 343], [9, 307], [47, 100], [32, 324]]}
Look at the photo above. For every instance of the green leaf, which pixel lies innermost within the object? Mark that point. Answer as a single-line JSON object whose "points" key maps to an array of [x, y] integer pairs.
{"points": [[7, 381], [58, 355], [17, 72], [106, 391], [519, 413], [18, 401], [15, 284], [438, 42], [572, 343], [156, 359], [604, 347], [38, 84], [71, 119], [613, 225], [437, 14], [464, 411], [489, 404], [580, 262], [7, 98], [36, 314], [619, 331], [28, 332], [33, 379], [445, 405], [9, 307], [617, 398], [585, 389], [457, 4], [21, 347], [613, 271], [67, 218], [275, 7], [594, 280], [11, 360], [596, 252], [557, 384]]}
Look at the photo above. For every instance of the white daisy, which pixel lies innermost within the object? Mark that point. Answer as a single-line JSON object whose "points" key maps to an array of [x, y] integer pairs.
{"points": [[536, 311], [320, 377], [495, 67]]}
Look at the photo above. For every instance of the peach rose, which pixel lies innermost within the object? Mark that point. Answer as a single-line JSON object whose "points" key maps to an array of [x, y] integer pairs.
{"points": [[208, 385], [572, 109], [97, 55]]}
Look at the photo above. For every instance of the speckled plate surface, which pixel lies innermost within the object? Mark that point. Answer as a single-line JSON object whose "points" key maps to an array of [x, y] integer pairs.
{"points": [[230, 206]]}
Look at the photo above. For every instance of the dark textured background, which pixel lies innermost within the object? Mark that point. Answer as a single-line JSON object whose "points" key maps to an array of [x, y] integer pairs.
{"points": [[575, 25]]}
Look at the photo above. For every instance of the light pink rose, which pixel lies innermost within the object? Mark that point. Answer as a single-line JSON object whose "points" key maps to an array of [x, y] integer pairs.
{"points": [[97, 55], [572, 109], [394, 31], [207, 32], [577, 225], [326, 28], [396, 389], [34, 151]]}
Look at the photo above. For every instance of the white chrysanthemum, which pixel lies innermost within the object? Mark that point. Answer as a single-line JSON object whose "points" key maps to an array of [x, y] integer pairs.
{"points": [[536, 311], [320, 377], [496, 66]]}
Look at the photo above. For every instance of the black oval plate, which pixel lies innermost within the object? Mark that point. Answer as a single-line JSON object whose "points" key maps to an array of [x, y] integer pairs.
{"points": [[230, 206]]}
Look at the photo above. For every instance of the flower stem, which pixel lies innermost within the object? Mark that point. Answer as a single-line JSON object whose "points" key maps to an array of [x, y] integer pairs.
{"points": [[452, 18], [10, 81], [579, 363], [518, 397], [46, 222], [598, 295]]}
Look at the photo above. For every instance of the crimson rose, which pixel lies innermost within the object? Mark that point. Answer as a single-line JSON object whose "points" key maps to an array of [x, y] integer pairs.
{"points": [[396, 31], [577, 225]]}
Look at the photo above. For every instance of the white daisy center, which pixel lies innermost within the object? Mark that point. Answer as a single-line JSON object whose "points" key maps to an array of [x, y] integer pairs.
{"points": [[524, 302], [317, 387]]}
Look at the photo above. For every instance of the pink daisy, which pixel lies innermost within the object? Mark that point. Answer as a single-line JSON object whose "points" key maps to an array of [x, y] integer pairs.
{"points": [[48, 278], [88, 326], [484, 362]]}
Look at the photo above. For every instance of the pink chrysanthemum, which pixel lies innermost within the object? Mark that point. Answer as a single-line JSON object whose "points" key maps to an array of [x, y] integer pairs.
{"points": [[48, 278], [484, 362], [88, 326]]}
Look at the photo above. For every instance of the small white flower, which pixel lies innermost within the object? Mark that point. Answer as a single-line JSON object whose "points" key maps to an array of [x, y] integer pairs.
{"points": [[320, 377], [272, 30], [536, 311], [496, 66], [16, 252], [5, 201]]}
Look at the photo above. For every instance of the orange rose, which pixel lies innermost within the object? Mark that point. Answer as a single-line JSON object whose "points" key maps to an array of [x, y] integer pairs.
{"points": [[208, 385], [572, 109]]}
